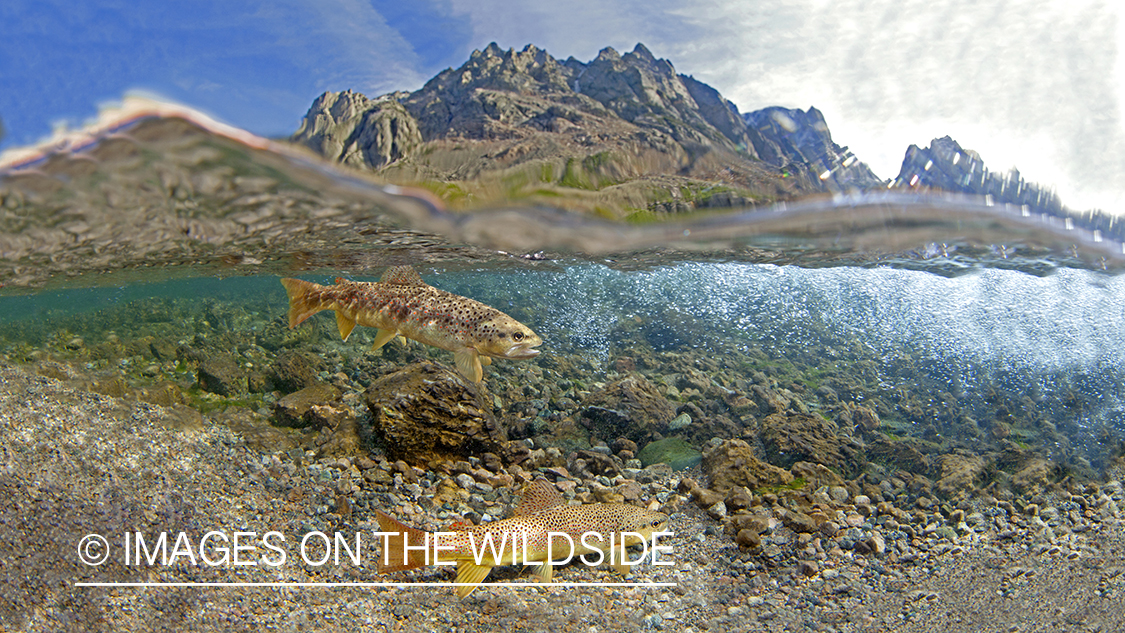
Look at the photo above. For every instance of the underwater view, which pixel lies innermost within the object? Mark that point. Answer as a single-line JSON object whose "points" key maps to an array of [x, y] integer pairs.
{"points": [[550, 345]]}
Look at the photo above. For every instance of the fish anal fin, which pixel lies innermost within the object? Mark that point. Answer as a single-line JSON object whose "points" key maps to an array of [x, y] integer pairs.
{"points": [[382, 337], [468, 363], [539, 495], [345, 324], [542, 571], [305, 299], [471, 573], [402, 276], [397, 557]]}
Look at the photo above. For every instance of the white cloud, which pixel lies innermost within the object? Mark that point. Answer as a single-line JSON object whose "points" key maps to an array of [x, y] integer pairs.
{"points": [[347, 44]]}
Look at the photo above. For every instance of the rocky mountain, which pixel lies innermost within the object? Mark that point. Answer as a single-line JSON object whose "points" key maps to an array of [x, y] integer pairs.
{"points": [[615, 135], [800, 140], [947, 166]]}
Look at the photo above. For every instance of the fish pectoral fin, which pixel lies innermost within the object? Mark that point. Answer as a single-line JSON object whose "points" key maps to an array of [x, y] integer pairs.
{"points": [[616, 560], [469, 572], [468, 363], [345, 324], [382, 337], [542, 571], [485, 360]]}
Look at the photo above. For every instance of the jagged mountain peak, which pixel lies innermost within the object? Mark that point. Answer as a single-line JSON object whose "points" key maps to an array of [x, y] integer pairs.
{"points": [[525, 106], [948, 166]]}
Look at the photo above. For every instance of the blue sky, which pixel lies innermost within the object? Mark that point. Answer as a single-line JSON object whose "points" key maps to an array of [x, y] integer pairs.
{"points": [[1034, 84]]}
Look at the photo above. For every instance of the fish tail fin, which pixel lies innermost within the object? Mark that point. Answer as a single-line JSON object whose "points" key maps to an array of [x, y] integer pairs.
{"points": [[396, 557], [305, 299]]}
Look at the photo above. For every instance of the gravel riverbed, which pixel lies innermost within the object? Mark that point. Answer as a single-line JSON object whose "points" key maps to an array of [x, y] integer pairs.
{"points": [[76, 463]]}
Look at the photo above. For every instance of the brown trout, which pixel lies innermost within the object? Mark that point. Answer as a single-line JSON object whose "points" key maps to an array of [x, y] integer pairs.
{"points": [[542, 517], [401, 304]]}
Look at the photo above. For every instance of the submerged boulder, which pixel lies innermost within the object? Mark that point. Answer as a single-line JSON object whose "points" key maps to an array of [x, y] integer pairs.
{"points": [[958, 473], [294, 409], [732, 463], [426, 413], [221, 375], [292, 371], [632, 408], [674, 451], [789, 439], [904, 454]]}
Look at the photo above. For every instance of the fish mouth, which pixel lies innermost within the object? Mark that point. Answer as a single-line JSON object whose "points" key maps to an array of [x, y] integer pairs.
{"points": [[521, 352]]}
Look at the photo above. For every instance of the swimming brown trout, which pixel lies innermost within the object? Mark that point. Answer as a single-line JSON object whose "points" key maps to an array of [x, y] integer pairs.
{"points": [[401, 304], [543, 529]]}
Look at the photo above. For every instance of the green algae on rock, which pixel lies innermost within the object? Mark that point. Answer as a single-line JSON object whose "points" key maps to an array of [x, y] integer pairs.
{"points": [[674, 451]]}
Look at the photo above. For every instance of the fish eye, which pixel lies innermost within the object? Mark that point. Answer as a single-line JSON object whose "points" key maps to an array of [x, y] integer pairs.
{"points": [[517, 336]]}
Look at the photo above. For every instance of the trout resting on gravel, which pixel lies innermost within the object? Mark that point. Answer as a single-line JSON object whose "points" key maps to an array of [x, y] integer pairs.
{"points": [[401, 304], [544, 529]]}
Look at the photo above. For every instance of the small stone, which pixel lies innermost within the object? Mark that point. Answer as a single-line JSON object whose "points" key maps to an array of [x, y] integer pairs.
{"points": [[717, 511], [874, 544], [808, 568], [747, 539], [705, 498], [680, 422]]}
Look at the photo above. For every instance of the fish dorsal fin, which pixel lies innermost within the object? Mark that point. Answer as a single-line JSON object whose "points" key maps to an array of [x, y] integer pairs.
{"points": [[402, 276], [539, 495]]}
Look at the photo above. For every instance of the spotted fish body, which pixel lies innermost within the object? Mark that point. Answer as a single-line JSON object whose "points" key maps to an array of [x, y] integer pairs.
{"points": [[401, 304], [541, 511]]}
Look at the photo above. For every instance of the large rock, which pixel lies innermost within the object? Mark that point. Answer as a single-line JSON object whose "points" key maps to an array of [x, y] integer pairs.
{"points": [[673, 451], [631, 407], [427, 413], [959, 473], [732, 464], [221, 375], [294, 409], [904, 454], [292, 371], [788, 439]]}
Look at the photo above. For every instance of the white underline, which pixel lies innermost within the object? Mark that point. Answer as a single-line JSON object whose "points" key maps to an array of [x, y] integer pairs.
{"points": [[516, 585]]}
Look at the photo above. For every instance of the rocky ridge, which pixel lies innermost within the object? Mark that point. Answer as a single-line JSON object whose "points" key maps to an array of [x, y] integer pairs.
{"points": [[620, 132], [618, 135]]}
